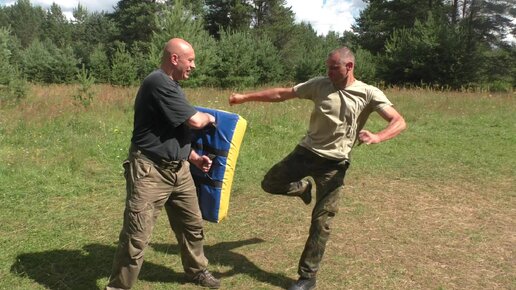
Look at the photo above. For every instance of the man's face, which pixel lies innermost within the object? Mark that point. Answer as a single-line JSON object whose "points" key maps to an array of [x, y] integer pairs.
{"points": [[185, 64], [337, 70]]}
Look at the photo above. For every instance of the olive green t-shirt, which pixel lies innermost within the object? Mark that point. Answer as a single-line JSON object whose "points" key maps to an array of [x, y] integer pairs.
{"points": [[338, 115]]}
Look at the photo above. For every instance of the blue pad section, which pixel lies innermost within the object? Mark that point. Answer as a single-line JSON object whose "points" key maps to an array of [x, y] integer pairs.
{"points": [[222, 144]]}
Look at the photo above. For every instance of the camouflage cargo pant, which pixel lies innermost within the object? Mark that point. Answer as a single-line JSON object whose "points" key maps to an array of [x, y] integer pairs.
{"points": [[150, 188], [286, 177]]}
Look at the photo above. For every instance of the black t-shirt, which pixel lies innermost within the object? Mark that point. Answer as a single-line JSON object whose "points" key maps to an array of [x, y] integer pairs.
{"points": [[160, 112]]}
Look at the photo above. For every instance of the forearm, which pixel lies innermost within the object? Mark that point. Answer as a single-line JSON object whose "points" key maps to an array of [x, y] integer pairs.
{"points": [[193, 156], [396, 124], [395, 127], [200, 120], [201, 162], [269, 95]]}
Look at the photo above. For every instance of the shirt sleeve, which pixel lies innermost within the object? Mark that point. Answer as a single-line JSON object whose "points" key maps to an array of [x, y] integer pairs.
{"points": [[308, 89], [378, 98], [172, 102]]}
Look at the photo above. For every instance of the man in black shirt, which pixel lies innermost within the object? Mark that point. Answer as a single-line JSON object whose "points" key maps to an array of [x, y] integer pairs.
{"points": [[157, 171]]}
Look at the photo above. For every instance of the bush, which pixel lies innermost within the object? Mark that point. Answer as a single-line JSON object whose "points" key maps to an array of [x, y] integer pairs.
{"points": [[123, 68], [12, 86], [46, 63], [84, 94], [100, 65]]}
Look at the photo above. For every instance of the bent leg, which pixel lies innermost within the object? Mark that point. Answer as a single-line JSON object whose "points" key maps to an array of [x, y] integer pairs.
{"points": [[285, 176]]}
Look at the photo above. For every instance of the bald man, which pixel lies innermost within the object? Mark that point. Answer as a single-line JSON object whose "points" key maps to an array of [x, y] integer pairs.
{"points": [[157, 171]]}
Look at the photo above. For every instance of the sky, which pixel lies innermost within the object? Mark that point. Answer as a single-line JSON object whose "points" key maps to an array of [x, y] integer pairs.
{"points": [[323, 15]]}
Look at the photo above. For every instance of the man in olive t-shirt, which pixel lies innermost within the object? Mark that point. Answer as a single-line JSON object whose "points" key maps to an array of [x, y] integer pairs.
{"points": [[342, 105]]}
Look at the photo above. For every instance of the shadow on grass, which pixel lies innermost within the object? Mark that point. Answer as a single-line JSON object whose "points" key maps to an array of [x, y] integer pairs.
{"points": [[222, 254], [80, 269]]}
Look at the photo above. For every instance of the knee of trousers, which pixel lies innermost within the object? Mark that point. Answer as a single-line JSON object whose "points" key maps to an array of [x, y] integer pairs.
{"points": [[266, 186], [136, 233], [321, 220], [132, 247], [193, 232], [272, 187]]}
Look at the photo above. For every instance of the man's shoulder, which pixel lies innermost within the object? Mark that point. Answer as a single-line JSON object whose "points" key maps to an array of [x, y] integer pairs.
{"points": [[316, 82], [321, 80], [359, 86], [314, 88], [155, 76], [157, 79]]}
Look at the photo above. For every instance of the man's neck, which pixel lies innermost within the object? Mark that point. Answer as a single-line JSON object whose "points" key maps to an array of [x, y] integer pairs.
{"points": [[345, 83], [167, 71]]}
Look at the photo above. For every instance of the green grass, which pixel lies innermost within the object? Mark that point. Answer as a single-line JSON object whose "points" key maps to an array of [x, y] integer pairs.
{"points": [[432, 209]]}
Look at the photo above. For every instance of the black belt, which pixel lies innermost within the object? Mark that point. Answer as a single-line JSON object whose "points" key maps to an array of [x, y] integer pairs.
{"points": [[157, 160]]}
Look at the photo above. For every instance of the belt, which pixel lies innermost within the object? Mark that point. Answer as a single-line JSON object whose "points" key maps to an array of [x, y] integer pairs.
{"points": [[158, 161]]}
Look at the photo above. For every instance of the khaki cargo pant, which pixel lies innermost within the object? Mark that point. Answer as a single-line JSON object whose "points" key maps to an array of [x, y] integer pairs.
{"points": [[150, 188], [286, 178]]}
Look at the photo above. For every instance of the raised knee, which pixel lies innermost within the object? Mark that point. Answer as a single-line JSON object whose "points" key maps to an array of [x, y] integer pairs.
{"points": [[266, 186]]}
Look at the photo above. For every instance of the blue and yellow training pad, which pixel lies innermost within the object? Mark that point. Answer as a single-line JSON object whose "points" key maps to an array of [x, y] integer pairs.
{"points": [[222, 144]]}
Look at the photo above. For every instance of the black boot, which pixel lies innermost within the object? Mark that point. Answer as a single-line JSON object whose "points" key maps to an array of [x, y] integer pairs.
{"points": [[306, 196], [303, 284]]}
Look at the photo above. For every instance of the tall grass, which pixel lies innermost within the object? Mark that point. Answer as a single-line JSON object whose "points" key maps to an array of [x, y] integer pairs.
{"points": [[431, 209]]}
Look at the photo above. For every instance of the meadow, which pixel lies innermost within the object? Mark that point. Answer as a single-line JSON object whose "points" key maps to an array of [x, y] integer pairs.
{"points": [[434, 208]]}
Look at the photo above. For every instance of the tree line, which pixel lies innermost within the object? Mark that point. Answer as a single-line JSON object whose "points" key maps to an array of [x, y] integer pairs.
{"points": [[243, 43]]}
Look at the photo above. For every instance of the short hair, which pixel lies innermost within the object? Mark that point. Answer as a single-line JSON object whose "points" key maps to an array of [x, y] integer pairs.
{"points": [[345, 54]]}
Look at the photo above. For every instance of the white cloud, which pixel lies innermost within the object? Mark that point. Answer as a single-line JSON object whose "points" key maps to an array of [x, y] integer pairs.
{"points": [[326, 15], [67, 6]]}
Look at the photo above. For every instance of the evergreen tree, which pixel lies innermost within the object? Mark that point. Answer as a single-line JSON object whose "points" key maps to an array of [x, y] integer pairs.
{"points": [[136, 19], [53, 64], [25, 21], [178, 21], [380, 18], [99, 62], [245, 61], [90, 31], [304, 54], [123, 68], [11, 83], [274, 20], [56, 27], [229, 15], [430, 53]]}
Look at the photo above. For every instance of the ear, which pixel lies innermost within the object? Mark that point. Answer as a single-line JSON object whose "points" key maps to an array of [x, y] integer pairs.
{"points": [[349, 65], [174, 58]]}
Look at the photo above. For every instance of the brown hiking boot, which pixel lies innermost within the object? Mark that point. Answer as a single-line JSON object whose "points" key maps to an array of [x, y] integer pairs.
{"points": [[205, 279]]}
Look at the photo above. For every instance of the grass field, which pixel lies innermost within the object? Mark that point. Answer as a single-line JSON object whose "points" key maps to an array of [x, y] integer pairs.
{"points": [[434, 208]]}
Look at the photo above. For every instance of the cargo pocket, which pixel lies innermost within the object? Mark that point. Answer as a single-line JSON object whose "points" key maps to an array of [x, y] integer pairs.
{"points": [[142, 168], [126, 165]]}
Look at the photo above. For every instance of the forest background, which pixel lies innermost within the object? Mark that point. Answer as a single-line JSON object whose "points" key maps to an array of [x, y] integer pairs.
{"points": [[432, 209], [457, 44]]}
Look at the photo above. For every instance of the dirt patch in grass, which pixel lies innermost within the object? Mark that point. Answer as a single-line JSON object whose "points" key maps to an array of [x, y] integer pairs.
{"points": [[390, 234]]}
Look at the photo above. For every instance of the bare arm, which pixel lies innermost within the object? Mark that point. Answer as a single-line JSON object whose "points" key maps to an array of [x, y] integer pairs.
{"points": [[200, 120], [269, 95], [202, 162], [396, 125]]}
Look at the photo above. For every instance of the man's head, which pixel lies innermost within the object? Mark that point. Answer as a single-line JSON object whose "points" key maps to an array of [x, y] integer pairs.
{"points": [[178, 59], [340, 64]]}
